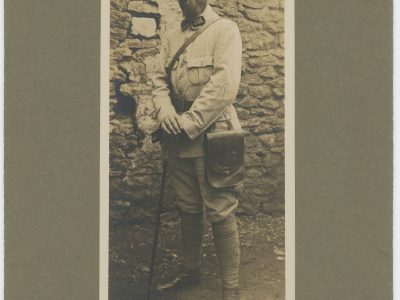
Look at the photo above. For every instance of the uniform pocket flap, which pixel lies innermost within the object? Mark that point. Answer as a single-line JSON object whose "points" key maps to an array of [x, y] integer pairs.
{"points": [[198, 62]]}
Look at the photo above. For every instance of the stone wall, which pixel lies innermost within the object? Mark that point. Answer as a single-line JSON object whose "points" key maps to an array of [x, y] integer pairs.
{"points": [[136, 29]]}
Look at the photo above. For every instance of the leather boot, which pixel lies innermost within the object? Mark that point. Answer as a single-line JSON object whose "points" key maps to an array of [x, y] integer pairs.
{"points": [[231, 294], [192, 230], [226, 240], [180, 280]]}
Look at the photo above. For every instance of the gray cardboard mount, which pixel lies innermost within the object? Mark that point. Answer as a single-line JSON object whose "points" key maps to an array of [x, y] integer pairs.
{"points": [[343, 149]]}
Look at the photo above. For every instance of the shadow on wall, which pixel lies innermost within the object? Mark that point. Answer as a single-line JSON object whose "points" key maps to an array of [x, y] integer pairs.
{"points": [[125, 104]]}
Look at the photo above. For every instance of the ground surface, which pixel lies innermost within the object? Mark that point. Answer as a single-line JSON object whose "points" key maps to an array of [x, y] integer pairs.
{"points": [[262, 259]]}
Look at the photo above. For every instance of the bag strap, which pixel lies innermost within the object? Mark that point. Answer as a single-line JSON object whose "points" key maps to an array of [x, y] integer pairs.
{"points": [[186, 44], [228, 121]]}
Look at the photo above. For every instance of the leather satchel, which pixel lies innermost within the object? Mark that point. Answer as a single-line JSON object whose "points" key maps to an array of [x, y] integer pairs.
{"points": [[225, 158]]}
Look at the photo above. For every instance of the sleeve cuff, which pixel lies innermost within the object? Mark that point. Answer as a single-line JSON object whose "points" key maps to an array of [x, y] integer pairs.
{"points": [[189, 126]]}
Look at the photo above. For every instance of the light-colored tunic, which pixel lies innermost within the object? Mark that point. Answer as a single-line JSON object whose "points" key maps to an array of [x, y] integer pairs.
{"points": [[208, 73]]}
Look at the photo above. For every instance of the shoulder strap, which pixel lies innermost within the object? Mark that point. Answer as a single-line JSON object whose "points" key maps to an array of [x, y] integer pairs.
{"points": [[186, 44]]}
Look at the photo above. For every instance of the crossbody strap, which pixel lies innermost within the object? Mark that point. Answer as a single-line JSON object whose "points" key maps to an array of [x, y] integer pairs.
{"points": [[185, 45]]}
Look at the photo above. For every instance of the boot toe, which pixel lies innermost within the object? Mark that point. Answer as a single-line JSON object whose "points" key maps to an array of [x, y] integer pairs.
{"points": [[179, 281]]}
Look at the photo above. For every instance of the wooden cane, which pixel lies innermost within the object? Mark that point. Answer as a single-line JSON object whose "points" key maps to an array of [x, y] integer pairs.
{"points": [[157, 229]]}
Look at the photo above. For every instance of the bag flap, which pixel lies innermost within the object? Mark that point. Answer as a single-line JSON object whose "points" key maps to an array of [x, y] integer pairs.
{"points": [[225, 151]]}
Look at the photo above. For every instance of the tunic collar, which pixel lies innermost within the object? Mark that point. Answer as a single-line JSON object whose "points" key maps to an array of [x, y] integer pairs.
{"points": [[198, 21]]}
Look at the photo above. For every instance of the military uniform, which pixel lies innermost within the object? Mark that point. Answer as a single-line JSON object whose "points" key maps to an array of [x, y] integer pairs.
{"points": [[207, 74]]}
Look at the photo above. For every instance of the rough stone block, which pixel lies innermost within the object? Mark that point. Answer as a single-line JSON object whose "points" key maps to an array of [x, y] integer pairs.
{"points": [[142, 7], [134, 70], [268, 72], [142, 54], [259, 91], [228, 7], [143, 26], [261, 40], [278, 52], [278, 92], [257, 53], [139, 44], [133, 89], [270, 104], [119, 4], [120, 54], [145, 106], [278, 149], [147, 124], [152, 64], [274, 27], [243, 114], [113, 43], [242, 90], [263, 15], [133, 67], [267, 139], [248, 102], [252, 79], [256, 4], [118, 33], [132, 43], [120, 19], [281, 40], [260, 62], [274, 4], [117, 75]]}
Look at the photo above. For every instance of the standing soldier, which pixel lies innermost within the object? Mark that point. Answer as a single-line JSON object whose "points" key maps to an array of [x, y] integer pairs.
{"points": [[197, 99]]}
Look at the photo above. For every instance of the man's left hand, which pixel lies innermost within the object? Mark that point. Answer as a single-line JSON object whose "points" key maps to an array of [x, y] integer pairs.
{"points": [[172, 124]]}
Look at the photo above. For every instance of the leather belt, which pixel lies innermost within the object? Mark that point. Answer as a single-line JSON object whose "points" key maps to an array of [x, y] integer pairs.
{"points": [[181, 105]]}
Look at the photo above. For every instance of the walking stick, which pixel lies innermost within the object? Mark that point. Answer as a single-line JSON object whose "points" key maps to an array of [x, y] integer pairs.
{"points": [[157, 229]]}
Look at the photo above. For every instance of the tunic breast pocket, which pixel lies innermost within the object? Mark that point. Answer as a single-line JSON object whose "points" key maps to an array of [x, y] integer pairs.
{"points": [[199, 69]]}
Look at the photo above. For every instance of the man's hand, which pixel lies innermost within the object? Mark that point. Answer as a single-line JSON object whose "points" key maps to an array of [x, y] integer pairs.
{"points": [[172, 124]]}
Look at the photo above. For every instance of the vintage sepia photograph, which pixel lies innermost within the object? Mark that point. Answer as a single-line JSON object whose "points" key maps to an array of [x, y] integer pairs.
{"points": [[196, 145], [200, 150]]}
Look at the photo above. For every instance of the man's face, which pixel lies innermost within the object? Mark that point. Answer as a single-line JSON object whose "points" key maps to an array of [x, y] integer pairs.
{"points": [[192, 8]]}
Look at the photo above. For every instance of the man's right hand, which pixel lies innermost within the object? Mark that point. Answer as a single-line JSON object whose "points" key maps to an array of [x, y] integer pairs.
{"points": [[171, 124]]}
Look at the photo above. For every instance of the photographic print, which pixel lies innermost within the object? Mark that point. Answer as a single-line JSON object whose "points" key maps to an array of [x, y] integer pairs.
{"points": [[160, 165], [187, 111], [196, 149]]}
